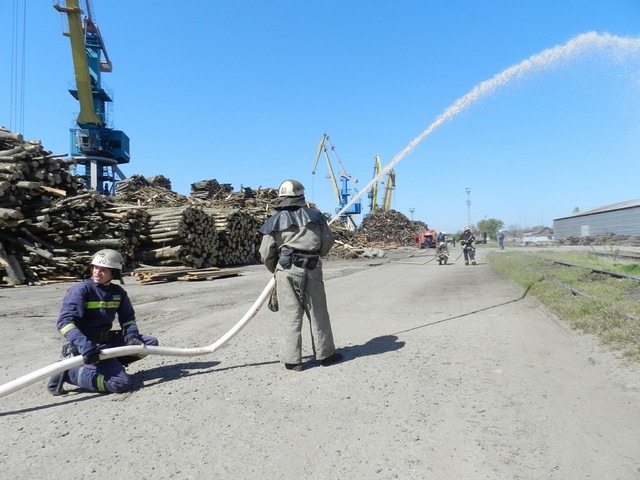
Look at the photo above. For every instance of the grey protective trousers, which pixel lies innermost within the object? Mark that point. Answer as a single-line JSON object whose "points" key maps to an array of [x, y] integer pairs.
{"points": [[301, 290]]}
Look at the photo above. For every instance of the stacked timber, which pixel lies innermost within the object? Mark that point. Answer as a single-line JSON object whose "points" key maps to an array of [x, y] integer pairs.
{"points": [[160, 181], [30, 177], [150, 196], [236, 235], [71, 230], [210, 190], [183, 235]]}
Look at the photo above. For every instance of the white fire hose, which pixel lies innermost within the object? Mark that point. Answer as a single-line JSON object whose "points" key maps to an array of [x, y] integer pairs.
{"points": [[77, 361]]}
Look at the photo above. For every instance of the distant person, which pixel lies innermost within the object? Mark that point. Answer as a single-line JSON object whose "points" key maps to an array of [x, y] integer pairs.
{"points": [[441, 238], [501, 240], [469, 250], [295, 238], [86, 317], [442, 253]]}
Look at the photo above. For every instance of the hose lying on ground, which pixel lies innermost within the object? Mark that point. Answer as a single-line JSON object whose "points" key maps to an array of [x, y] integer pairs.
{"points": [[68, 363]]}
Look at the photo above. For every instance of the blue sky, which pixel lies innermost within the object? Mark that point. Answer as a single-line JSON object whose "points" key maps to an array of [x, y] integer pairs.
{"points": [[242, 91]]}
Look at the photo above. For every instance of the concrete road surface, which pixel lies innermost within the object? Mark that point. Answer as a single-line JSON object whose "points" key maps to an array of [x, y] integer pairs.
{"points": [[451, 372]]}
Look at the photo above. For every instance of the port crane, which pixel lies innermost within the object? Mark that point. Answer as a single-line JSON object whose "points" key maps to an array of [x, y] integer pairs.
{"points": [[96, 148], [373, 193], [342, 193], [388, 190]]}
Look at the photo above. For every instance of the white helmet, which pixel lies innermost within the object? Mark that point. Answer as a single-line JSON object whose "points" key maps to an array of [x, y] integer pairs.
{"points": [[291, 188], [108, 258]]}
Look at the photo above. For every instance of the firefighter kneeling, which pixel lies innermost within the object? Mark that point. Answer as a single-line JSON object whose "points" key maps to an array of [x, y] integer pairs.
{"points": [[86, 317], [442, 253]]}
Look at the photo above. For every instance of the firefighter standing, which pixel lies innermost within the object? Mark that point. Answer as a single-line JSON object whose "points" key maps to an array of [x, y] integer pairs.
{"points": [[467, 240], [86, 317], [295, 238]]}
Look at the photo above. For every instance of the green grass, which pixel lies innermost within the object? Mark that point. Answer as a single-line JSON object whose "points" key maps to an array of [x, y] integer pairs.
{"points": [[610, 307]]}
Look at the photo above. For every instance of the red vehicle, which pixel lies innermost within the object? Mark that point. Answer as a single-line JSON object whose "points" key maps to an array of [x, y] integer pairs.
{"points": [[425, 238]]}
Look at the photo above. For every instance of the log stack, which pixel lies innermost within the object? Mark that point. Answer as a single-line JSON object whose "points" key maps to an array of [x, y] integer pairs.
{"points": [[183, 235], [236, 236], [211, 190], [30, 179], [50, 226]]}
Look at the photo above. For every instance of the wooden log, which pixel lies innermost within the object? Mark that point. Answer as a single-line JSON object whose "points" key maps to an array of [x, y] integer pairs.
{"points": [[7, 135], [7, 213], [56, 191], [12, 267]]}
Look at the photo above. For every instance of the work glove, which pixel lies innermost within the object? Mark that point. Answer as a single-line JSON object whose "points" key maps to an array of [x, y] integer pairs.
{"points": [[133, 340], [91, 356]]}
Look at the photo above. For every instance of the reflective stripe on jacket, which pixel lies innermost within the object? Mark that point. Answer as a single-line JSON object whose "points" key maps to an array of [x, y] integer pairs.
{"points": [[88, 309]]}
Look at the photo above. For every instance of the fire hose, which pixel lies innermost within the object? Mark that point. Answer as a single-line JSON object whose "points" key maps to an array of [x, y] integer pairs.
{"points": [[77, 361]]}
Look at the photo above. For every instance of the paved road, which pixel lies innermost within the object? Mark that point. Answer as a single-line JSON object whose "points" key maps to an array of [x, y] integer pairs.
{"points": [[452, 372]]}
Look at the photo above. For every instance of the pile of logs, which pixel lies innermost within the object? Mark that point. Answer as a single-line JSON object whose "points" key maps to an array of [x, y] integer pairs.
{"points": [[50, 226], [30, 177], [386, 227], [210, 190], [179, 236], [236, 231], [153, 192]]}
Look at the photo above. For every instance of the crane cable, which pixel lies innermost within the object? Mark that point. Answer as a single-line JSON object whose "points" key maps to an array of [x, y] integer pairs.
{"points": [[18, 66]]}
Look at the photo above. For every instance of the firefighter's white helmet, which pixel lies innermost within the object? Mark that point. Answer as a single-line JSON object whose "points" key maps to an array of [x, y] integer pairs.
{"points": [[108, 258], [290, 188]]}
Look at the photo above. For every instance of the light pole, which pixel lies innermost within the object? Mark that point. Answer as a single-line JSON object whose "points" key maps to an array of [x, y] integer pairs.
{"points": [[411, 210], [468, 190]]}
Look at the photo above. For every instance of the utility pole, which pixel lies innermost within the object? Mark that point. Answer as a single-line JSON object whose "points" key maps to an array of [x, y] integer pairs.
{"points": [[468, 190], [411, 210]]}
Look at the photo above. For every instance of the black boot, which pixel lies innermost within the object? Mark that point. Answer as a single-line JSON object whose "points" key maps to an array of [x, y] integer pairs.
{"points": [[332, 359], [56, 383]]}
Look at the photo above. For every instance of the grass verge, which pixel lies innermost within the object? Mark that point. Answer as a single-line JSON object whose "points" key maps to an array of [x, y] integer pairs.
{"points": [[596, 303]]}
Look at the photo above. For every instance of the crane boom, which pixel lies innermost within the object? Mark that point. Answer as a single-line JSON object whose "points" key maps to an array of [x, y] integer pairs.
{"points": [[373, 193], [94, 146], [388, 190], [323, 149], [87, 113]]}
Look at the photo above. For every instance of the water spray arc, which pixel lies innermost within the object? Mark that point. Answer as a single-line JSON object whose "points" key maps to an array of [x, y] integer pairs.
{"points": [[576, 46], [546, 58]]}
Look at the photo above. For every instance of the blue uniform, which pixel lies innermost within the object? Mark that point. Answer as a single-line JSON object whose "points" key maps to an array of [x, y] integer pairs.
{"points": [[86, 317]]}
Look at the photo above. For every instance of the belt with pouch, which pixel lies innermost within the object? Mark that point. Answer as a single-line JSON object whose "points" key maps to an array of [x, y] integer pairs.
{"points": [[305, 260], [104, 337]]}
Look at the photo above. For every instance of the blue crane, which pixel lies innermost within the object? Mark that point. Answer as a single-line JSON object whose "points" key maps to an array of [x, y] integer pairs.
{"points": [[343, 193], [95, 147]]}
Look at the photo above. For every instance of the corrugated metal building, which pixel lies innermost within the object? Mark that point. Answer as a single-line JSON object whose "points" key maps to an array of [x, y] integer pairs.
{"points": [[619, 219]]}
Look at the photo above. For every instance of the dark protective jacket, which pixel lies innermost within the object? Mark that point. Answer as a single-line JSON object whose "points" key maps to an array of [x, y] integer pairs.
{"points": [[301, 229], [467, 239], [89, 309]]}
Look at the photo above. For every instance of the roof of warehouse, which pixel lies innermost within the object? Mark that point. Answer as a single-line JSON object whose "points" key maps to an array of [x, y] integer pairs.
{"points": [[606, 208]]}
